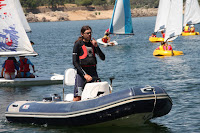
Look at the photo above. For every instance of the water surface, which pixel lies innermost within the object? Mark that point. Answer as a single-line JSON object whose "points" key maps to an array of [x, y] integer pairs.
{"points": [[131, 63]]}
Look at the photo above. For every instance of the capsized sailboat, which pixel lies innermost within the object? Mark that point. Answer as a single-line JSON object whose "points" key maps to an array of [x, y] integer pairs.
{"points": [[173, 27], [98, 106], [161, 19], [15, 42], [191, 15], [121, 22]]}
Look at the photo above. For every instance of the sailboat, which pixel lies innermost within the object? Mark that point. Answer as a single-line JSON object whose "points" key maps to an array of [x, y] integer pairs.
{"points": [[121, 22], [15, 42], [191, 15], [173, 27], [161, 19]]}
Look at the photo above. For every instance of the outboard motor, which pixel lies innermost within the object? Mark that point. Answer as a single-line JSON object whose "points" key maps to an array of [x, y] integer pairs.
{"points": [[52, 97]]}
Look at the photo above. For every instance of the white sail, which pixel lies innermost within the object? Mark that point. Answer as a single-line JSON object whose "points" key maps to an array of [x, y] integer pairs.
{"points": [[192, 12], [121, 22], [22, 16], [162, 15], [174, 22], [13, 38]]}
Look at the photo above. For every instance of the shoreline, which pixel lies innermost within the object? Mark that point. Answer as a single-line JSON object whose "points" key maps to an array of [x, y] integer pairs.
{"points": [[76, 14]]}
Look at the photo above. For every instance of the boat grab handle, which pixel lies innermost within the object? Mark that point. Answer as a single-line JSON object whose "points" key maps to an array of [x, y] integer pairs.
{"points": [[15, 105], [147, 89]]}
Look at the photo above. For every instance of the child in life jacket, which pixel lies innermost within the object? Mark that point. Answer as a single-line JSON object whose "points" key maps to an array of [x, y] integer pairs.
{"points": [[24, 68], [164, 46], [163, 34], [153, 35], [192, 29], [10, 65], [186, 28], [106, 39]]}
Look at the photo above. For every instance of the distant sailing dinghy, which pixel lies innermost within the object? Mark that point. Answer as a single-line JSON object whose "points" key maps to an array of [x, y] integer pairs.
{"points": [[173, 27], [161, 19], [191, 15], [121, 22], [15, 42]]}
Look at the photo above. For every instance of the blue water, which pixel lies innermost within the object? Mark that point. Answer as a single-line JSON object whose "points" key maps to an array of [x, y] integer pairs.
{"points": [[131, 63]]}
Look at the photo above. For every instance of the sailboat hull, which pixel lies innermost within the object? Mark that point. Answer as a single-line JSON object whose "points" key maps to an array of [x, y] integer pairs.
{"points": [[122, 108], [37, 81], [189, 33], [106, 44], [156, 39], [167, 53]]}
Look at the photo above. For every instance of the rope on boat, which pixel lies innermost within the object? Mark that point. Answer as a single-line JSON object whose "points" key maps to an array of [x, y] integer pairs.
{"points": [[154, 92]]}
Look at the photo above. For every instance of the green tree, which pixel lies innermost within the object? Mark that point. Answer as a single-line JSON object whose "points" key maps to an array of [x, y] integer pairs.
{"points": [[99, 2], [83, 2]]}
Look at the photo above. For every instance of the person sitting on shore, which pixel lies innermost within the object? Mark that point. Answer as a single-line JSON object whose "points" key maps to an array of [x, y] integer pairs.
{"points": [[9, 66], [165, 47], [24, 68], [163, 34], [192, 29], [186, 28]]}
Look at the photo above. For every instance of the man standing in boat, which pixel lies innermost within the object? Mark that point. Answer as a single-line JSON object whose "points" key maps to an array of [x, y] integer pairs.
{"points": [[24, 68], [84, 60]]}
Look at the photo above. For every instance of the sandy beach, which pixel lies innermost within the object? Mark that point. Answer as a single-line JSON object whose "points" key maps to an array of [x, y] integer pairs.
{"points": [[75, 14]]}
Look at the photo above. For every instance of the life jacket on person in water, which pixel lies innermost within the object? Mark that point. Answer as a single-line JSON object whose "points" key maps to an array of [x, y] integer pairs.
{"points": [[186, 29], [24, 67], [9, 66], [87, 57]]}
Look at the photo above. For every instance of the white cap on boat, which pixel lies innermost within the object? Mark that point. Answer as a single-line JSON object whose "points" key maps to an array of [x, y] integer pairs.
{"points": [[192, 25]]}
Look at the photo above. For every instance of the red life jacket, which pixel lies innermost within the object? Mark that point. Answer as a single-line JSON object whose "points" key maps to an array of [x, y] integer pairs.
{"points": [[24, 67], [9, 66], [163, 35], [87, 58], [105, 40]]}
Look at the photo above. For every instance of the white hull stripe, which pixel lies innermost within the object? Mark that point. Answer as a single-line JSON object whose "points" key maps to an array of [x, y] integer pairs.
{"points": [[77, 113]]}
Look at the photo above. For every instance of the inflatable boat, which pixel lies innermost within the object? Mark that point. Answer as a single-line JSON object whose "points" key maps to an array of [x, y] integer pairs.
{"points": [[98, 107], [156, 39], [167, 53], [189, 33], [120, 108]]}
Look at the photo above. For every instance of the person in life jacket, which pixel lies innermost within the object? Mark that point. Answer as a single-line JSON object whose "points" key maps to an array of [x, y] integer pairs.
{"points": [[163, 34], [24, 68], [84, 60], [186, 28], [10, 65], [153, 35], [192, 29], [164, 46], [106, 38]]}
